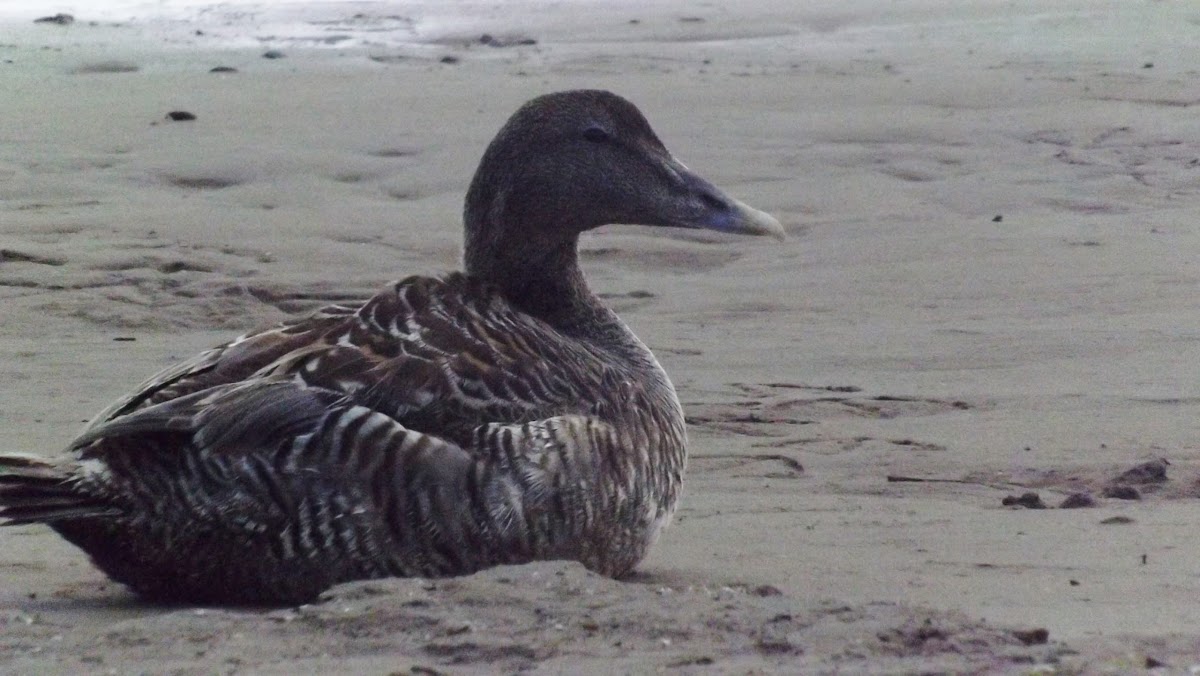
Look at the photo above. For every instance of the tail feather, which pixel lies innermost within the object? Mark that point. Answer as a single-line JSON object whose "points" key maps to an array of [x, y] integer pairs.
{"points": [[22, 517], [39, 490], [20, 467]]}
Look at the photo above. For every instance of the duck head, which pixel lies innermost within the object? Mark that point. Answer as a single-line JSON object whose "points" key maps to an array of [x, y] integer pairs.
{"points": [[571, 161]]}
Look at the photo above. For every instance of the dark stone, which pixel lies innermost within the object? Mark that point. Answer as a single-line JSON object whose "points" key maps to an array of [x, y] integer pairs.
{"points": [[1153, 472], [1029, 500], [1122, 492], [272, 54], [60, 19], [180, 116], [1078, 501], [1039, 636], [223, 69], [493, 41]]}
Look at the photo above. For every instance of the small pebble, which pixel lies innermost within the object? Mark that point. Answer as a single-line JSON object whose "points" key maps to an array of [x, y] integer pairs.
{"points": [[1153, 472], [449, 59], [492, 41], [1122, 492], [997, 218], [272, 54], [1039, 636], [1029, 500], [60, 19], [1078, 501], [223, 69], [180, 116]]}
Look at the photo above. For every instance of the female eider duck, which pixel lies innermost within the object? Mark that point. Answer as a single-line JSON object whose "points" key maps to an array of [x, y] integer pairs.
{"points": [[495, 416]]}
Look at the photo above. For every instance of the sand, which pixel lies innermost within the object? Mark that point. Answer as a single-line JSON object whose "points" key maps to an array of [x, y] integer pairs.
{"points": [[989, 289]]}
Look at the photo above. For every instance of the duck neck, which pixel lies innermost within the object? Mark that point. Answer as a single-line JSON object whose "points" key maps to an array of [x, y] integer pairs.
{"points": [[547, 284]]}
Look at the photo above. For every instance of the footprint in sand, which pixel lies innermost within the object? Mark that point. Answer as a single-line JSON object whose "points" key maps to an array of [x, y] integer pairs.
{"points": [[1144, 156], [105, 67], [395, 152], [403, 194], [630, 301], [351, 177], [771, 411], [203, 181], [757, 465], [14, 256], [677, 260]]}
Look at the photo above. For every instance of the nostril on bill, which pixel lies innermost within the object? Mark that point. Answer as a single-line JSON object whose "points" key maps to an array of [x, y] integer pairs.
{"points": [[713, 202]]}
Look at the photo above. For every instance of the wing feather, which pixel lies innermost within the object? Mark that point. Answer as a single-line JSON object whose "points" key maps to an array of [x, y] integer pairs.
{"points": [[235, 361], [440, 355]]}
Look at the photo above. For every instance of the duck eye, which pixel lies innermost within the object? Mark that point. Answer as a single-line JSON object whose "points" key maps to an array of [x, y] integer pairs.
{"points": [[595, 135]]}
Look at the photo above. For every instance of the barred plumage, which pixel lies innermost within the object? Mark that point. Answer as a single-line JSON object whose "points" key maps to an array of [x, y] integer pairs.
{"points": [[446, 425]]}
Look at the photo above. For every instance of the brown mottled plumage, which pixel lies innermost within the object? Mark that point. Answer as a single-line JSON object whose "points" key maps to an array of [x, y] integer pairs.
{"points": [[446, 425]]}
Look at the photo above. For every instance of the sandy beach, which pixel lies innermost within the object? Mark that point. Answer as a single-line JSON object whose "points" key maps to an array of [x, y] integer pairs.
{"points": [[989, 289]]}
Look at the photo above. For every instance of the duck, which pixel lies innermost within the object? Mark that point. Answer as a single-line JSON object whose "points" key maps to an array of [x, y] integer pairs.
{"points": [[496, 415]]}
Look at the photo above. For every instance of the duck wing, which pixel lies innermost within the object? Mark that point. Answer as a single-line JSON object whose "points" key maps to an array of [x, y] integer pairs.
{"points": [[438, 355], [232, 362]]}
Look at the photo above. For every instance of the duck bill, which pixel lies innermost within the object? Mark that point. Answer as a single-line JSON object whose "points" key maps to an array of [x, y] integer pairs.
{"points": [[743, 219], [709, 208]]}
